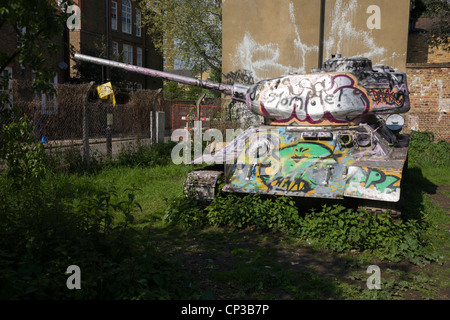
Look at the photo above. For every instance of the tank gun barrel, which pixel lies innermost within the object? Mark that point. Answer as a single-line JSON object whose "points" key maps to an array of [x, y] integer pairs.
{"points": [[226, 89], [344, 91]]}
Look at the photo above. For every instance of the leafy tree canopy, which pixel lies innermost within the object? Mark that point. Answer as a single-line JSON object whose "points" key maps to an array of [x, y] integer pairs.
{"points": [[438, 11], [186, 30], [36, 24]]}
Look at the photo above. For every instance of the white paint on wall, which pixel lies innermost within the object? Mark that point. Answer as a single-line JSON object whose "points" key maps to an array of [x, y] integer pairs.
{"points": [[343, 32], [416, 85], [263, 60]]}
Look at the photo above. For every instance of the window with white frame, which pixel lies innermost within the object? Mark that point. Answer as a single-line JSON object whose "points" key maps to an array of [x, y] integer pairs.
{"points": [[126, 16], [139, 57], [5, 85], [127, 54], [115, 49], [138, 23], [114, 15], [49, 101]]}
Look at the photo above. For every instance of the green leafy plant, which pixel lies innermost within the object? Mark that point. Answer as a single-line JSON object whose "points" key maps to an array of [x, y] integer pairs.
{"points": [[145, 155], [343, 229], [24, 158], [253, 211], [437, 153]]}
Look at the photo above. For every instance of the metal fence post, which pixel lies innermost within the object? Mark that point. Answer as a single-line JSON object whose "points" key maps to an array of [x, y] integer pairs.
{"points": [[109, 123], [86, 152], [153, 116]]}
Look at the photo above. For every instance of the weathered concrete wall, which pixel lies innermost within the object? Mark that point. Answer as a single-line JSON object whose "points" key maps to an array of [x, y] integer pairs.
{"points": [[264, 39]]}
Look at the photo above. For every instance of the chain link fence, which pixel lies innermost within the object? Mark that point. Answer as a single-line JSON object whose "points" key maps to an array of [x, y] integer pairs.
{"points": [[74, 115]]}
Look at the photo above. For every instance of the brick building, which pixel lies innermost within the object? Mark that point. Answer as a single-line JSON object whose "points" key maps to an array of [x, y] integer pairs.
{"points": [[115, 27], [428, 81], [17, 73]]}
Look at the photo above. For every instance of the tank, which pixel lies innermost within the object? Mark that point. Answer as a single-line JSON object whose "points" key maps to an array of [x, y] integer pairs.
{"points": [[334, 133]]}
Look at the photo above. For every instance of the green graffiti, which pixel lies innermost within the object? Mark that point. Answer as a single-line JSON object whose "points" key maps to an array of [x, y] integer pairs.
{"points": [[296, 165], [380, 180]]}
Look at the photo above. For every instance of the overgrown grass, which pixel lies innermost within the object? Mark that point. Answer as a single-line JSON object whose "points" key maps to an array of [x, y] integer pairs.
{"points": [[62, 214], [336, 227], [52, 217]]}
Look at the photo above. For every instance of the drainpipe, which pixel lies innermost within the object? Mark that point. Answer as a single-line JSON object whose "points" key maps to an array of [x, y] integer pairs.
{"points": [[108, 76], [321, 33]]}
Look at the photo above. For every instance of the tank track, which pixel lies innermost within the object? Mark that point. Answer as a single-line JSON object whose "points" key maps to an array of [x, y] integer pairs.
{"points": [[380, 207], [202, 184]]}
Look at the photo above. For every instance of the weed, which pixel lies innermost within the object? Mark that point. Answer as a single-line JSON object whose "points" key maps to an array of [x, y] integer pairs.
{"points": [[437, 153]]}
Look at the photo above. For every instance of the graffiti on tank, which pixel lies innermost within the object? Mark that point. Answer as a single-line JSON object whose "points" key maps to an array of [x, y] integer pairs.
{"points": [[395, 97], [373, 183], [297, 164], [280, 163], [314, 99], [309, 164]]}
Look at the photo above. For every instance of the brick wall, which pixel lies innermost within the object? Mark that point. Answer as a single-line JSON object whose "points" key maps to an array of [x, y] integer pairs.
{"points": [[438, 55], [430, 98]]}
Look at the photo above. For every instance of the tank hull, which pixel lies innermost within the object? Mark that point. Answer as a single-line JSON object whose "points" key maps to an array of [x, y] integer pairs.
{"points": [[361, 161]]}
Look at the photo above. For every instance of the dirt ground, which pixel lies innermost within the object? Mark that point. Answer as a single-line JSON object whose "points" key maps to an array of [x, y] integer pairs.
{"points": [[442, 197]]}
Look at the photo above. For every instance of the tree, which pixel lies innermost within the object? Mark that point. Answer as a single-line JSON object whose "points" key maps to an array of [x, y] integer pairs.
{"points": [[191, 29], [438, 11], [87, 72], [36, 24]]}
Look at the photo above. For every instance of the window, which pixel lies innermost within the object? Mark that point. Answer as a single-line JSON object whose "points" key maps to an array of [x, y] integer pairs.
{"points": [[127, 54], [126, 16], [5, 85], [139, 86], [115, 48], [138, 24], [114, 15], [139, 57], [49, 101]]}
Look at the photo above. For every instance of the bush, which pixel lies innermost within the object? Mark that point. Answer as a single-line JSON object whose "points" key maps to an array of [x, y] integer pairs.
{"points": [[146, 155], [41, 235], [336, 227], [425, 152], [234, 211], [252, 211], [23, 157], [342, 229], [48, 223]]}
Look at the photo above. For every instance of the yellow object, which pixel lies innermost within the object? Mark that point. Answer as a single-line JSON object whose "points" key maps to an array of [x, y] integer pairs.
{"points": [[105, 90]]}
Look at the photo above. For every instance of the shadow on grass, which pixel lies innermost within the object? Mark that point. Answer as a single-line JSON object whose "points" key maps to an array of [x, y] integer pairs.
{"points": [[252, 264], [414, 186]]}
